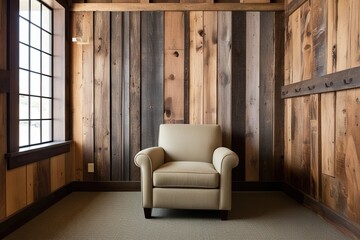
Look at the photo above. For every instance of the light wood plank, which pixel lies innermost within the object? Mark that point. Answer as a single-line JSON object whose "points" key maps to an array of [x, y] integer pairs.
{"points": [[57, 169], [328, 134], [174, 26], [31, 184], [15, 190], [210, 52], [224, 76], [252, 95], [102, 95], [121, 7], [196, 79]]}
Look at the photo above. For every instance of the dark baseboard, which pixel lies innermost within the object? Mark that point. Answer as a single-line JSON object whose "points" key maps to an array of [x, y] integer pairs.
{"points": [[18, 219], [347, 227]]}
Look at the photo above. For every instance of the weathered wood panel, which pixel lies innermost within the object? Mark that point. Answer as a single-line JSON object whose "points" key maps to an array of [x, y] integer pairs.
{"points": [[252, 96], [87, 95], [238, 90], [3, 116], [102, 94], [224, 77], [174, 36], [135, 103], [196, 77], [57, 170], [116, 96], [210, 53], [152, 65], [266, 94], [15, 190]]}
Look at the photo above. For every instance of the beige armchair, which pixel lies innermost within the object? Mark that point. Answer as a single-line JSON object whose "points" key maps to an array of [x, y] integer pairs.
{"points": [[188, 170]]}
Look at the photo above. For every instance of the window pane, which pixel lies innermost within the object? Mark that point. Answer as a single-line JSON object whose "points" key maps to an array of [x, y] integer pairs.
{"points": [[46, 42], [23, 82], [34, 107], [23, 133], [24, 56], [46, 108], [46, 64], [24, 8], [35, 36], [35, 60], [24, 107], [24, 31], [35, 84], [35, 12], [34, 132], [46, 18], [46, 86], [46, 130]]}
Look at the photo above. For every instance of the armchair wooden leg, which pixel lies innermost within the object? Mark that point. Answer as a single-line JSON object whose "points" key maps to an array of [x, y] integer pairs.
{"points": [[224, 214], [147, 212]]}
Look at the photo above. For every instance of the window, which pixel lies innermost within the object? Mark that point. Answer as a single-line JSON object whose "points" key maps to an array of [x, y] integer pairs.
{"points": [[38, 63], [35, 73]]}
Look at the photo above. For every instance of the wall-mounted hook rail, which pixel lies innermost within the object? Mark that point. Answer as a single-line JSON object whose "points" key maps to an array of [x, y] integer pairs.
{"points": [[343, 80]]}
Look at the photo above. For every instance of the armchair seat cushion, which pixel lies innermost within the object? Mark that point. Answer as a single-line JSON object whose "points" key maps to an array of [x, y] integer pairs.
{"points": [[186, 174]]}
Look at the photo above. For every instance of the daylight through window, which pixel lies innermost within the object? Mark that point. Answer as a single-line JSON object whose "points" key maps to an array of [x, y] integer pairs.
{"points": [[35, 73]]}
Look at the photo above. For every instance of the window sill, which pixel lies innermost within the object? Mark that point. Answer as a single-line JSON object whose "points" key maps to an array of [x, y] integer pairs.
{"points": [[33, 154]]}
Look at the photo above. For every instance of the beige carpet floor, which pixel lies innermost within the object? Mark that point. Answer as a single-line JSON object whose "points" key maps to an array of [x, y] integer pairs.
{"points": [[118, 215]]}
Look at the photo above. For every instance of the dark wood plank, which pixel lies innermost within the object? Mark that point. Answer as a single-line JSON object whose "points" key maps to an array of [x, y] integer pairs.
{"points": [[342, 80], [267, 91], [238, 90], [102, 95], [4, 81], [116, 95], [293, 6], [42, 186], [278, 119], [224, 75], [152, 67], [186, 65], [135, 98]]}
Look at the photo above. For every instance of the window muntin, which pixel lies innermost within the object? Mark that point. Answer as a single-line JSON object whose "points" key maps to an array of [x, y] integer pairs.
{"points": [[35, 73]]}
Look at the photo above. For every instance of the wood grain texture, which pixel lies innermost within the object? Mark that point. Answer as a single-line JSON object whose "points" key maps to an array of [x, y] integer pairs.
{"points": [[135, 107], [224, 83], [116, 96], [57, 172], [266, 94], [87, 94], [15, 190], [152, 65], [102, 95], [328, 134], [238, 91], [210, 57], [252, 96], [174, 30], [196, 74]]}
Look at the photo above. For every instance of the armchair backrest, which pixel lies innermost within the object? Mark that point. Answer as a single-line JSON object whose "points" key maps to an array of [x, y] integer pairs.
{"points": [[186, 142]]}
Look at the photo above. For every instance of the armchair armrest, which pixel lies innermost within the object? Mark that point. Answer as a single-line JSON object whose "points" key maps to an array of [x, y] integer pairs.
{"points": [[148, 160], [224, 161]]}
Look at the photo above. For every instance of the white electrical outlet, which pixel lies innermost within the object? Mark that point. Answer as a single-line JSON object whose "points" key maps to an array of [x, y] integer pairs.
{"points": [[90, 167]]}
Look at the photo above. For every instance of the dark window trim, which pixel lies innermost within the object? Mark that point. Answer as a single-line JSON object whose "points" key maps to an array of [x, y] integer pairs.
{"points": [[18, 157], [4, 81], [36, 153]]}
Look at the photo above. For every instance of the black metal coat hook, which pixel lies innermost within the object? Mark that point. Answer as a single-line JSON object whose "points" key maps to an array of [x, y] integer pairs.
{"points": [[347, 81]]}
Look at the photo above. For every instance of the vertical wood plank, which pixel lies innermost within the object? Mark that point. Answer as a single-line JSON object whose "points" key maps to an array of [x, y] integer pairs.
{"points": [[354, 29], [135, 121], [174, 67], [238, 91], [196, 80], [328, 134], [116, 95], [224, 75], [266, 94], [43, 180], [210, 45], [3, 115], [87, 95], [252, 95], [57, 170], [102, 94], [69, 166], [31, 183], [186, 66], [315, 165], [15, 190], [152, 67], [76, 83]]}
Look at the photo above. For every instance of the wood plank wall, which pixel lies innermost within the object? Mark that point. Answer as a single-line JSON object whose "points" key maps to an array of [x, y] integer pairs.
{"points": [[322, 144], [25, 185], [176, 67]]}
